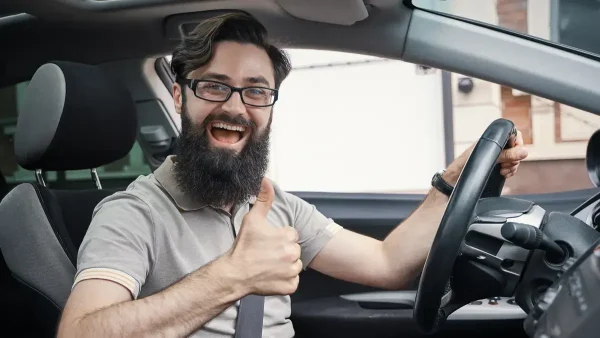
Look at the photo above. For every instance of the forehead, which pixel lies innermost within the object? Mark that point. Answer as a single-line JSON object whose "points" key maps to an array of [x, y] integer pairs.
{"points": [[238, 61]]}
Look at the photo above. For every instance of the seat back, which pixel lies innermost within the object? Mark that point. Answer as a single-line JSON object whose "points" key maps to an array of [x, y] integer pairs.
{"points": [[74, 117]]}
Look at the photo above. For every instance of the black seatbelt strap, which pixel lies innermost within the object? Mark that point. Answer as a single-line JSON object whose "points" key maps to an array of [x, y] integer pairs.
{"points": [[250, 315]]}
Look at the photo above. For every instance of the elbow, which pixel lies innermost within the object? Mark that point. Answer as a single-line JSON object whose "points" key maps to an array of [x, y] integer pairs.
{"points": [[400, 278]]}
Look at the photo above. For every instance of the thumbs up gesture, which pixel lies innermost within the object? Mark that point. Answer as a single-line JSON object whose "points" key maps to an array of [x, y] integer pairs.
{"points": [[267, 256]]}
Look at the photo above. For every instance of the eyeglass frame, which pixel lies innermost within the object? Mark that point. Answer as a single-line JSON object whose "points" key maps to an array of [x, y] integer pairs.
{"points": [[193, 84]]}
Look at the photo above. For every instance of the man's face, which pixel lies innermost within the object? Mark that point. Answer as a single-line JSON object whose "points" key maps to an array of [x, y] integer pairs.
{"points": [[222, 153], [238, 65]]}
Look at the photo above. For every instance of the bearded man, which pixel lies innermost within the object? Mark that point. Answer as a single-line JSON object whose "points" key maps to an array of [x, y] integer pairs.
{"points": [[174, 253]]}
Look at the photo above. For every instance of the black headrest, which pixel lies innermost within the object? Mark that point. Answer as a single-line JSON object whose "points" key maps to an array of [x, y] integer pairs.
{"points": [[75, 116]]}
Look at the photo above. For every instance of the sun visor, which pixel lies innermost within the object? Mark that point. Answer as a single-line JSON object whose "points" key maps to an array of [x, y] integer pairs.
{"points": [[340, 12]]}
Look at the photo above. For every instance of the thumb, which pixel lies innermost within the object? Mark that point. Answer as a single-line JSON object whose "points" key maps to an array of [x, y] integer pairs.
{"points": [[517, 153], [264, 198]]}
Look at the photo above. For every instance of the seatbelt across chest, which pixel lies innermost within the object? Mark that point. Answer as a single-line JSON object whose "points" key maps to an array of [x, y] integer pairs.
{"points": [[250, 314], [250, 317]]}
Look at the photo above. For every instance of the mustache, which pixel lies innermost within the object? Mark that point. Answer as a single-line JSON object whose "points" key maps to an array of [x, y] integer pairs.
{"points": [[227, 118]]}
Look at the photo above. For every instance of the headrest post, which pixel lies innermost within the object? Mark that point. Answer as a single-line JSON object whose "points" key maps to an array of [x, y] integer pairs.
{"points": [[96, 178], [39, 177]]}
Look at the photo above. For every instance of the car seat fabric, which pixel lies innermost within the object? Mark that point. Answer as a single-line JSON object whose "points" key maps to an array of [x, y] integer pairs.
{"points": [[74, 117]]}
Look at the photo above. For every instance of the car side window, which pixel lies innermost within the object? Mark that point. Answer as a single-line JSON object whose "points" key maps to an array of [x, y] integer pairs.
{"points": [[556, 135], [117, 173], [356, 123]]}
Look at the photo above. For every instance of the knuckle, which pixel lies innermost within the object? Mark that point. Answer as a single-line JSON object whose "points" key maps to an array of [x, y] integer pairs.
{"points": [[298, 266], [292, 234], [293, 284], [293, 270], [289, 252]]}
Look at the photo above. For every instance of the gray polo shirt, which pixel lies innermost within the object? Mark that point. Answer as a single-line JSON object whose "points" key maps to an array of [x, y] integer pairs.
{"points": [[151, 235]]}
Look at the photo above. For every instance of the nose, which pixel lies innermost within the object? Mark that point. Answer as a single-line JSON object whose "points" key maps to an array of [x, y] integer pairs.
{"points": [[235, 105]]}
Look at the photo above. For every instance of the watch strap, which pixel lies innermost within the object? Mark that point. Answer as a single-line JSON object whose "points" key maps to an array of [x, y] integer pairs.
{"points": [[440, 184]]}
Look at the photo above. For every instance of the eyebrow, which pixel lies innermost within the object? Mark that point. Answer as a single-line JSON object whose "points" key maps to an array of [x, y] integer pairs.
{"points": [[257, 79], [222, 77]]}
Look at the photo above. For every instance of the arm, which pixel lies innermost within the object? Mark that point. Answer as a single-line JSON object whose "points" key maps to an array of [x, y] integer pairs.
{"points": [[397, 261], [389, 264], [103, 308]]}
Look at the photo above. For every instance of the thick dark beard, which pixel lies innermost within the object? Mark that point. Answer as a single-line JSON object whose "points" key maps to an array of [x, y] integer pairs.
{"points": [[219, 177]]}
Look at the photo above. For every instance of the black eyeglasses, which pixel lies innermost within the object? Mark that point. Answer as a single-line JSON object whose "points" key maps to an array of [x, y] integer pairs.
{"points": [[215, 91]]}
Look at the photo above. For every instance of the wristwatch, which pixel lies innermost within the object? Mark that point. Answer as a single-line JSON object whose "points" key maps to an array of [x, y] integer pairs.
{"points": [[440, 184]]}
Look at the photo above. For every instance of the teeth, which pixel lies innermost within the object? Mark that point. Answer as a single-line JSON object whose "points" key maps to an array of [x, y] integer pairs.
{"points": [[229, 126]]}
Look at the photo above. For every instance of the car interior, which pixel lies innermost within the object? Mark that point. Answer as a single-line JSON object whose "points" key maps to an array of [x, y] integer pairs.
{"points": [[98, 87]]}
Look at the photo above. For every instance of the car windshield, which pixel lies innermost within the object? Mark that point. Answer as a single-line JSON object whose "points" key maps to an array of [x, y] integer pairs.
{"points": [[572, 23]]}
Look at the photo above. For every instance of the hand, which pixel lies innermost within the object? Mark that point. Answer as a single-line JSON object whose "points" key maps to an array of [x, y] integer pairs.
{"points": [[509, 160], [267, 257]]}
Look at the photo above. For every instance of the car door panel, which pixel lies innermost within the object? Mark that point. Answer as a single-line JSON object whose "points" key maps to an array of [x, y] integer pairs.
{"points": [[339, 317], [326, 307]]}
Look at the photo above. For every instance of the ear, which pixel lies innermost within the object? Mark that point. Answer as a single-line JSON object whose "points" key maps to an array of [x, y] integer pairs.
{"points": [[178, 97]]}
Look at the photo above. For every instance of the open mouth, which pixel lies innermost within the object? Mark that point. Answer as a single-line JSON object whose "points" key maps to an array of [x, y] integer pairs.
{"points": [[228, 133]]}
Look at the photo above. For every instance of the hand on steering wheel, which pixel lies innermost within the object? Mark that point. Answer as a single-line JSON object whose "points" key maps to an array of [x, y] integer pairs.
{"points": [[482, 176]]}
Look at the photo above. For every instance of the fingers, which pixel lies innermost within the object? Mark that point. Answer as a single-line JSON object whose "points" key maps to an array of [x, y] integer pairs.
{"points": [[510, 158], [508, 172], [264, 200], [293, 285], [509, 164], [291, 234], [297, 267], [519, 139], [516, 152], [516, 140], [292, 252]]}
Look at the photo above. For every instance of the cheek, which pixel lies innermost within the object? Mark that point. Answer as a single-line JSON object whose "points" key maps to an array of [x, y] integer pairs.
{"points": [[262, 119], [199, 111]]}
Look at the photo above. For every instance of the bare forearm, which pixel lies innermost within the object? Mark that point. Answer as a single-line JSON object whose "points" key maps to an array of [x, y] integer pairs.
{"points": [[175, 312], [407, 246]]}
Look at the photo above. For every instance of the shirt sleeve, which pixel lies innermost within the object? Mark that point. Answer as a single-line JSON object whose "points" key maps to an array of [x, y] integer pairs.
{"points": [[119, 244], [314, 229]]}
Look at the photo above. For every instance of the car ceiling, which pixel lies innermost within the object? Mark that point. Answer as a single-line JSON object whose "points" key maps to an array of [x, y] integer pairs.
{"points": [[102, 31], [99, 31]]}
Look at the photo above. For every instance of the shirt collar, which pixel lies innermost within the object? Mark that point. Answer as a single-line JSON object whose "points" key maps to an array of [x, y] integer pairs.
{"points": [[166, 177]]}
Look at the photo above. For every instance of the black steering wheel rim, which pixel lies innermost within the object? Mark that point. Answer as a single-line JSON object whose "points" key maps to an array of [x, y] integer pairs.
{"points": [[479, 178]]}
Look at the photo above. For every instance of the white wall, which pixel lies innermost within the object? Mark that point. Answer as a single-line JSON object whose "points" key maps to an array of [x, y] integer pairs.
{"points": [[356, 128]]}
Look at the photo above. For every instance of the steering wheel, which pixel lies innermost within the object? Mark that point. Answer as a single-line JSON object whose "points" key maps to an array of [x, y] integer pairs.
{"points": [[479, 178]]}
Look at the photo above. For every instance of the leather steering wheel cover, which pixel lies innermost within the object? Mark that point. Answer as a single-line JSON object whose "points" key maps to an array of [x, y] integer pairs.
{"points": [[454, 224]]}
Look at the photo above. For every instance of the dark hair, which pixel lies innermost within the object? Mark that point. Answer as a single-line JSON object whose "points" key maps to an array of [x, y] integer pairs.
{"points": [[196, 49]]}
